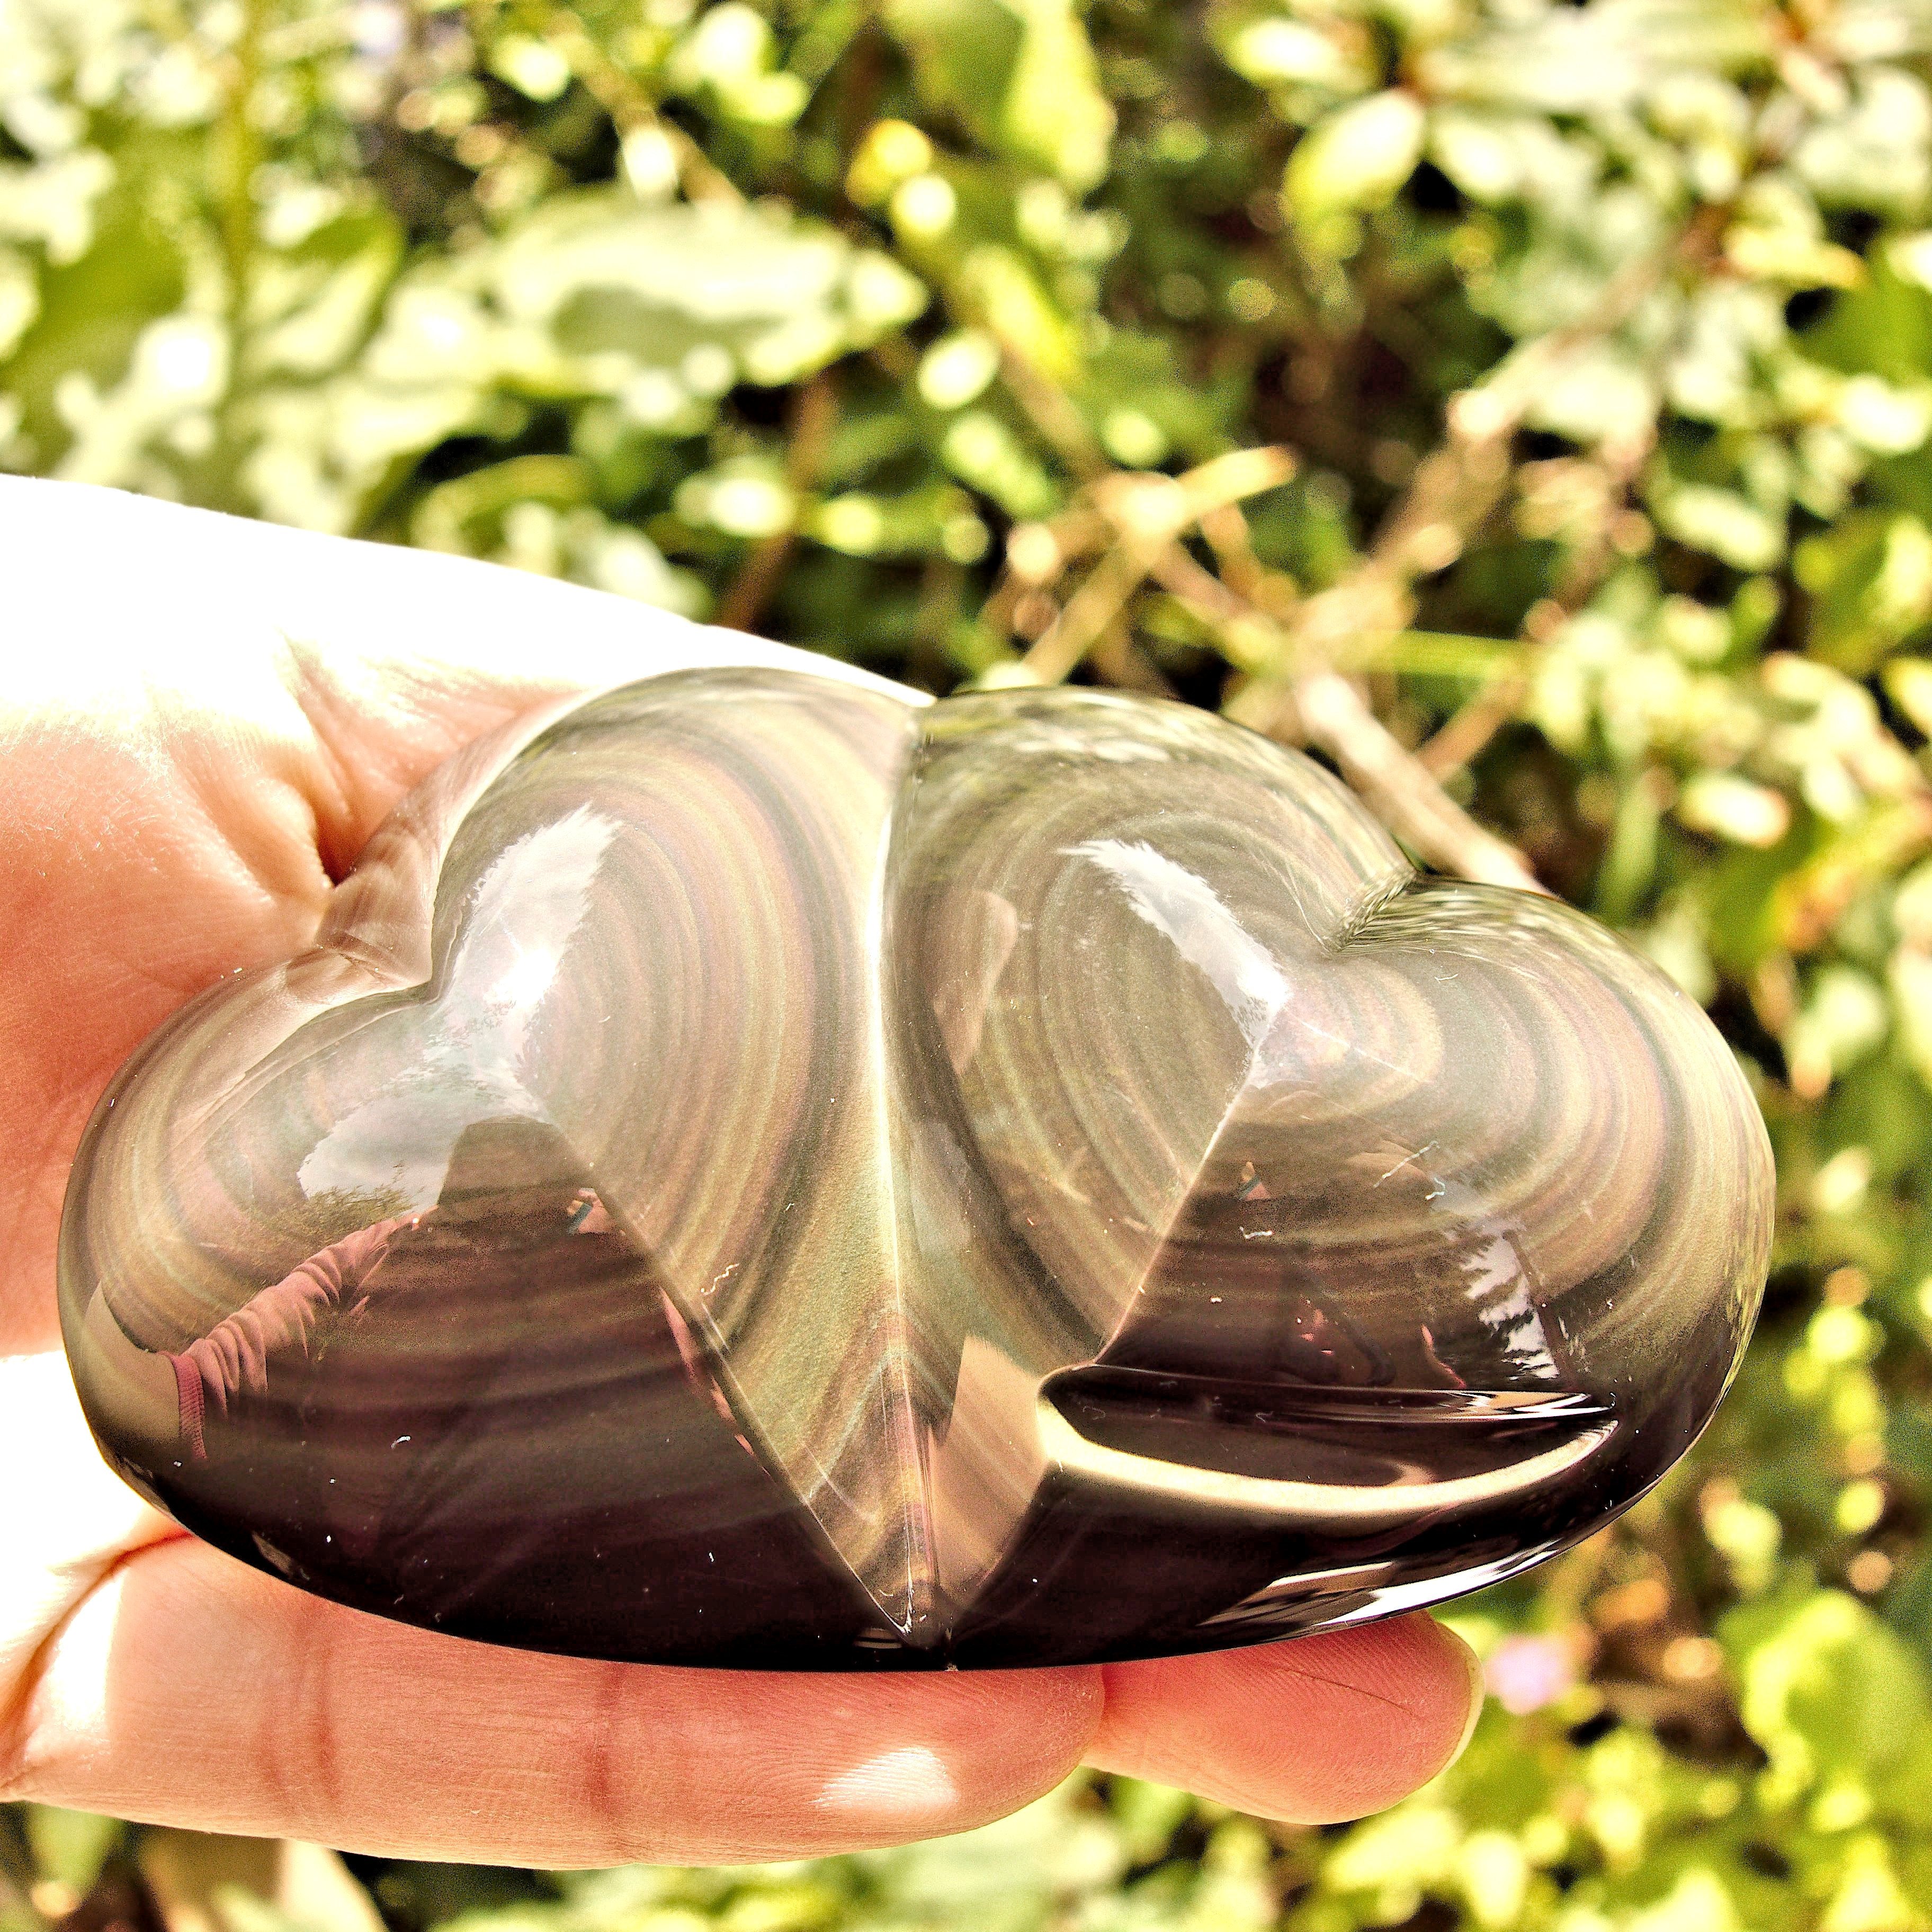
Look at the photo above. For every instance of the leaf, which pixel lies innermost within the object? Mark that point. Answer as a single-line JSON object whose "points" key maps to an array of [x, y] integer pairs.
{"points": [[1597, 59], [1874, 153], [730, 49], [1699, 1902], [1845, 1018], [982, 451], [532, 67], [93, 310], [1006, 1874], [964, 52], [592, 288], [1493, 157], [1725, 522], [1883, 327], [1734, 808], [659, 309], [1871, 583], [1055, 112], [1908, 683], [312, 305], [445, 518], [1356, 158], [1271, 51], [996, 286], [1835, 1698], [71, 1847], [1021, 74]]}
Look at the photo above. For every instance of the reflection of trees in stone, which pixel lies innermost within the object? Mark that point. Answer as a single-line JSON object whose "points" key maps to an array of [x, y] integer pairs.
{"points": [[324, 1219]]}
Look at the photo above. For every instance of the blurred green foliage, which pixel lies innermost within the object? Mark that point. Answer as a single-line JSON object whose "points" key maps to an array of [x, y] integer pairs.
{"points": [[1525, 404]]}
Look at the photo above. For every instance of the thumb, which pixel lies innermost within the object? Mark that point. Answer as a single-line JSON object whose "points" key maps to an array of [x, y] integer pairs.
{"points": [[346, 671], [204, 721]]}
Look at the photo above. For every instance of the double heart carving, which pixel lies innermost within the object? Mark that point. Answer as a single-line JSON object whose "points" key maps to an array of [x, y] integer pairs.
{"points": [[1046, 1137]]}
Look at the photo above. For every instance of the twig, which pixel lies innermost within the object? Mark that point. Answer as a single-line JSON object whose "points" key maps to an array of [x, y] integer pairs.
{"points": [[234, 155], [1054, 411], [1470, 729], [1125, 665], [1226, 530], [1454, 490], [1465, 733], [1088, 613], [632, 108], [814, 415], [239, 149], [1404, 794], [1408, 799], [1037, 555], [1329, 713], [1148, 513]]}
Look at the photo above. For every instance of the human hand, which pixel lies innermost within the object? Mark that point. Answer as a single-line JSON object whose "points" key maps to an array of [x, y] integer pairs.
{"points": [[204, 720]]}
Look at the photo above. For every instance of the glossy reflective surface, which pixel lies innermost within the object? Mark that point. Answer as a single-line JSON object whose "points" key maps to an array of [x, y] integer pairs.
{"points": [[756, 1173]]}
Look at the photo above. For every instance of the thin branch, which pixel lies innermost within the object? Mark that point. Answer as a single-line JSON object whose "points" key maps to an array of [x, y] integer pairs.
{"points": [[1403, 792], [1329, 713], [1408, 799], [1037, 555], [238, 150], [814, 415], [1125, 665], [1226, 529], [1053, 412], [1098, 603], [1453, 491], [1464, 736], [1148, 513], [632, 109]]}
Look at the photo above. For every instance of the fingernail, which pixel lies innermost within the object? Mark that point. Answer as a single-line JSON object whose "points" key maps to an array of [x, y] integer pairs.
{"points": [[1478, 1689]]}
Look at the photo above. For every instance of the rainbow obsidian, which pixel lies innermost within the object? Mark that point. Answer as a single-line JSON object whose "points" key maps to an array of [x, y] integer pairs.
{"points": [[754, 1172]]}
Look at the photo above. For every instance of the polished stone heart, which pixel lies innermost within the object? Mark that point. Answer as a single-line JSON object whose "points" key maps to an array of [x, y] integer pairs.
{"points": [[756, 1172]]}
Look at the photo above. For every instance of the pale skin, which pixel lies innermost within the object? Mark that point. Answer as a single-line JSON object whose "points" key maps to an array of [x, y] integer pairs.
{"points": [[201, 721]]}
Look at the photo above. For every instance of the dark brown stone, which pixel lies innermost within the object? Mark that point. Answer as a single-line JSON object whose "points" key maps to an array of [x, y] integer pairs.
{"points": [[760, 1173]]}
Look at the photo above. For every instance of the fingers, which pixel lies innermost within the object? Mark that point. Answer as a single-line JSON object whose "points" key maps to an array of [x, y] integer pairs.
{"points": [[67, 1520], [154, 1678], [1318, 1729], [147, 1675], [188, 1689]]}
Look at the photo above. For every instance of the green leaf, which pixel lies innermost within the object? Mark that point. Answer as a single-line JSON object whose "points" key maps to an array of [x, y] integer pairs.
{"points": [[660, 309], [532, 67], [1726, 523], [1021, 74], [1871, 583], [1598, 59], [1055, 112], [1837, 1699], [94, 308], [1883, 327], [1356, 158], [71, 1847]]}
